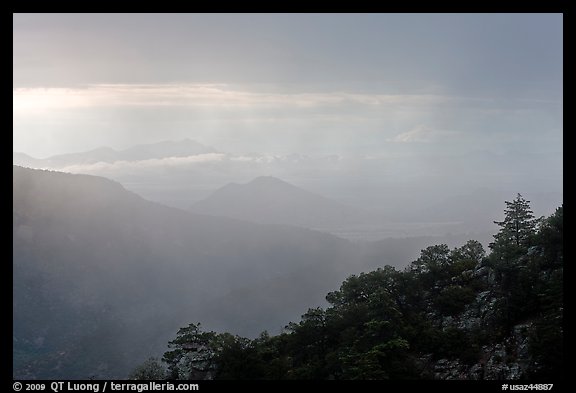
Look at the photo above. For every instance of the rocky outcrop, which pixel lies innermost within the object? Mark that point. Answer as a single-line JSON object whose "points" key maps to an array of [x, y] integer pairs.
{"points": [[509, 360]]}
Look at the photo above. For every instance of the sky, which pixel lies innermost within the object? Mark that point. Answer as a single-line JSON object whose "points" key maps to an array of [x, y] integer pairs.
{"points": [[450, 96]]}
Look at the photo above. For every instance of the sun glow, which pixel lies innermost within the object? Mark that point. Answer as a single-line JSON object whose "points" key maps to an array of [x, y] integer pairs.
{"points": [[25, 100]]}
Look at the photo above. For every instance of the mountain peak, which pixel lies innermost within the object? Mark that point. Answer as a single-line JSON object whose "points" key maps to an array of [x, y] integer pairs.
{"points": [[269, 200], [268, 181], [162, 149]]}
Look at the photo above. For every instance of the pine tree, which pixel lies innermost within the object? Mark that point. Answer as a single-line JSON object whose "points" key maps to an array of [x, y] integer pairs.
{"points": [[518, 228], [517, 233]]}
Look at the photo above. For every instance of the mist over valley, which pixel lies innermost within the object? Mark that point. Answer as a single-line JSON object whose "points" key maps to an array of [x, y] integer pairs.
{"points": [[287, 196]]}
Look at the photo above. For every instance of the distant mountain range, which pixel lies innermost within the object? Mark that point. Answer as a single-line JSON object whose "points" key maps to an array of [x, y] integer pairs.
{"points": [[185, 173], [269, 200], [164, 149]]}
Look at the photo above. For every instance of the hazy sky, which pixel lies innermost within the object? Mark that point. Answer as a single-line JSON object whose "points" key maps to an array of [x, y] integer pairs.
{"points": [[311, 83], [391, 109]]}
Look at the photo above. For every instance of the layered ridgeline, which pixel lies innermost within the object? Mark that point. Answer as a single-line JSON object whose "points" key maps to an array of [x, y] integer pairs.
{"points": [[269, 200], [103, 278], [349, 202], [452, 314], [164, 149]]}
